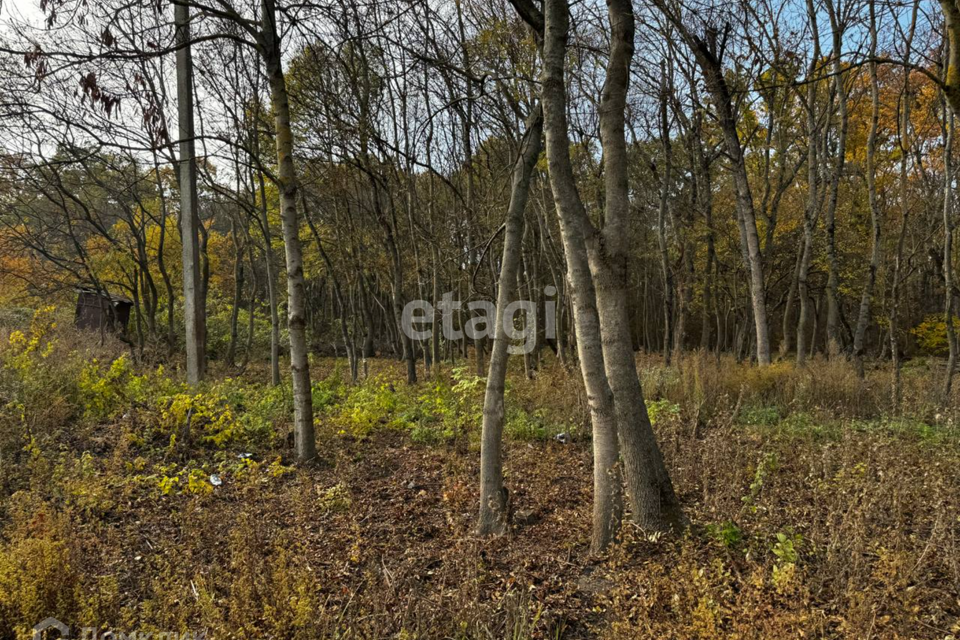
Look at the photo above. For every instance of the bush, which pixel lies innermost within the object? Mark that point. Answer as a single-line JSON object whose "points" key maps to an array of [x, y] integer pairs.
{"points": [[760, 416], [38, 391], [525, 426], [103, 394], [931, 335]]}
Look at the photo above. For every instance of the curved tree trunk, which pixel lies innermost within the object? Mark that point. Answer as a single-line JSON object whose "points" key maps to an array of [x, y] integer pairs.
{"points": [[708, 53], [607, 500], [649, 488], [493, 495]]}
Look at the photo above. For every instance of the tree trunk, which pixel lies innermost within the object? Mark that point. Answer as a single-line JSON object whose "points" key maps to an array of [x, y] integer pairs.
{"points": [[607, 505], [493, 495], [237, 293], [304, 438], [812, 211], [949, 223], [649, 488], [708, 57], [272, 297], [830, 216], [863, 316], [666, 272]]}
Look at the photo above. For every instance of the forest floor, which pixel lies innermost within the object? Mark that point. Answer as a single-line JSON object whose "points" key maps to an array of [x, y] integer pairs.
{"points": [[816, 511]]}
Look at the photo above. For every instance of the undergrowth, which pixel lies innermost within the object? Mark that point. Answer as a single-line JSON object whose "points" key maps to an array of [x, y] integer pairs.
{"points": [[134, 502]]}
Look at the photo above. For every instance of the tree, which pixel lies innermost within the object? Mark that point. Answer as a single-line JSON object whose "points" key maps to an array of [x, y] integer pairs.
{"points": [[493, 494]]}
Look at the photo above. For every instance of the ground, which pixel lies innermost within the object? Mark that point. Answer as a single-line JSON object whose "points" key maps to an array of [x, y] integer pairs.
{"points": [[815, 510]]}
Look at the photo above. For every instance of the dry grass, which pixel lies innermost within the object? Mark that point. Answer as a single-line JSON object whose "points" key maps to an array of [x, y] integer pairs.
{"points": [[817, 512]]}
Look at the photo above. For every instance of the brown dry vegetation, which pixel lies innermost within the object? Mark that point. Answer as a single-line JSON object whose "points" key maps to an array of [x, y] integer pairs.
{"points": [[814, 511]]}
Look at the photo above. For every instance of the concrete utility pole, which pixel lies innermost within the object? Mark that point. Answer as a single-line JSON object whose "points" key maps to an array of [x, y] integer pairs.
{"points": [[193, 315]]}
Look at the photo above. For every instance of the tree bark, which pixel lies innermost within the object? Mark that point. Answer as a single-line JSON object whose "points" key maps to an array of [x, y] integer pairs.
{"points": [[666, 272], [272, 294], [949, 224], [304, 438], [863, 316], [653, 502], [812, 211], [830, 215], [237, 293], [607, 504], [493, 495], [709, 53]]}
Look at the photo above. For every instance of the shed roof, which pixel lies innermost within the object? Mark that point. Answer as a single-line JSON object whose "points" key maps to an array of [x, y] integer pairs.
{"points": [[114, 299]]}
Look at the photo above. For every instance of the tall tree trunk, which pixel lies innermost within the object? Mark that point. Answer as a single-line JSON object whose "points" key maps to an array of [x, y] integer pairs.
{"points": [[708, 54], [493, 495], [830, 216], [649, 488], [788, 323], [905, 144], [161, 260], [237, 293], [272, 294], [894, 315], [607, 499], [704, 198], [304, 438], [648, 485], [863, 316], [949, 224], [666, 272], [348, 343], [812, 211]]}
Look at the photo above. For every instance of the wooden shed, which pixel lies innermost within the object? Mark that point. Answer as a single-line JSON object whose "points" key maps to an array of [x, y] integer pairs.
{"points": [[99, 311]]}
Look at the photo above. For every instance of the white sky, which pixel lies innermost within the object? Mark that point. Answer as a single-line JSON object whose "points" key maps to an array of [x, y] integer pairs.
{"points": [[28, 10]]}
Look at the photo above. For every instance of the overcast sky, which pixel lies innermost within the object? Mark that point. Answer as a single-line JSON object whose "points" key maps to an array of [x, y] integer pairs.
{"points": [[28, 10]]}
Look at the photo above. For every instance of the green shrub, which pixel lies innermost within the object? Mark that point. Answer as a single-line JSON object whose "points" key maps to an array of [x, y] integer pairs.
{"points": [[102, 394], [727, 533], [760, 416], [373, 404], [661, 411], [787, 547], [259, 409], [325, 393], [524, 426]]}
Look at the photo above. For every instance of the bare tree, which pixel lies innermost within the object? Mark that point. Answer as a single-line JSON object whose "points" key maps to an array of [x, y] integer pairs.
{"points": [[493, 494]]}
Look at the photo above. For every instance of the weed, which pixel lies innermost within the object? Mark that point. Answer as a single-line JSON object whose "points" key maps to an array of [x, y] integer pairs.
{"points": [[727, 533], [335, 499]]}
